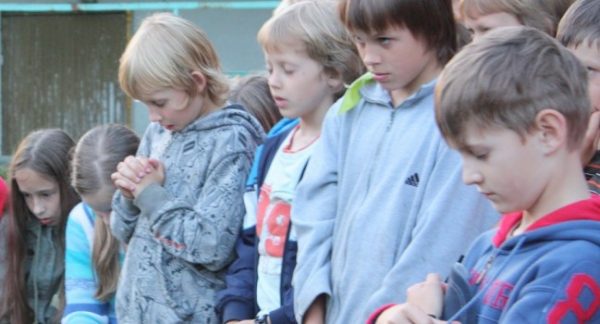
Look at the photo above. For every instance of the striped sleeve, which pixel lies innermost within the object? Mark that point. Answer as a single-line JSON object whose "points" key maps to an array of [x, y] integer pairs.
{"points": [[80, 283]]}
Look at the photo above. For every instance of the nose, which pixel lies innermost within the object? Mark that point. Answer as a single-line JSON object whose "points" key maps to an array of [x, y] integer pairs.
{"points": [[471, 175], [154, 115], [38, 207], [370, 54], [274, 80]]}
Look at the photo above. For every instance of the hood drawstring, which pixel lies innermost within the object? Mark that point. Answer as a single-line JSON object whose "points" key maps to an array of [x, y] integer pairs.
{"points": [[489, 282]]}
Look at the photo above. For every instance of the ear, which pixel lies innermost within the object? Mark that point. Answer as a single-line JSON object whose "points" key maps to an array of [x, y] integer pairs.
{"points": [[200, 80], [551, 130]]}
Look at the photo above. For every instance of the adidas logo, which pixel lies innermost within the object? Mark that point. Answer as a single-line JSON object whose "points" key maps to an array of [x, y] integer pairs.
{"points": [[413, 180]]}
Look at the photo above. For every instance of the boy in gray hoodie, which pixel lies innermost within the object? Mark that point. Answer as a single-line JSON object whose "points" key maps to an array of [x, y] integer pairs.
{"points": [[179, 208]]}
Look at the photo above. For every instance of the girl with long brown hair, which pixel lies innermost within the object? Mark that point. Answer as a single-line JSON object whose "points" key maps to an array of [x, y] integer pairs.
{"points": [[40, 199], [93, 255]]}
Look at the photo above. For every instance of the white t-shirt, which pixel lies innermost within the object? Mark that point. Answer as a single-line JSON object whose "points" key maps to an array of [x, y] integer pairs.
{"points": [[273, 219]]}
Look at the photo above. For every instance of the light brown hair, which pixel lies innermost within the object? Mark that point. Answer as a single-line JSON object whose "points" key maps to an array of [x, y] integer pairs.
{"points": [[506, 79], [324, 39], [540, 14], [580, 24], [96, 157], [252, 92]]}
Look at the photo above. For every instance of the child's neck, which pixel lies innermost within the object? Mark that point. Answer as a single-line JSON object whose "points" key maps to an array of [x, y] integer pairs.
{"points": [[308, 131], [567, 185], [429, 72]]}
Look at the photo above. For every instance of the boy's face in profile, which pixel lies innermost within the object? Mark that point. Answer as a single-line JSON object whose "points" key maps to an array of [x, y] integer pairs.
{"points": [[298, 84], [173, 109], [479, 24], [399, 61], [589, 55], [503, 165]]}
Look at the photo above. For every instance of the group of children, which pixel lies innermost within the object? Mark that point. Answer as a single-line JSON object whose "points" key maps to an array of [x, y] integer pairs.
{"points": [[365, 185]]}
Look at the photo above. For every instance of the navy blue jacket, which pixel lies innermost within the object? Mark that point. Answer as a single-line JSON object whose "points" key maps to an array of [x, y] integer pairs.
{"points": [[238, 300]]}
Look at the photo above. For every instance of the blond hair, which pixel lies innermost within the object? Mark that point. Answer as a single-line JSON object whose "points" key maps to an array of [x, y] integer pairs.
{"points": [[96, 157], [506, 79], [540, 14], [325, 39], [163, 53]]}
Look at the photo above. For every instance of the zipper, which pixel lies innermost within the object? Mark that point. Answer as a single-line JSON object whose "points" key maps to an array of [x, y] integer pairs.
{"points": [[368, 185], [486, 268]]}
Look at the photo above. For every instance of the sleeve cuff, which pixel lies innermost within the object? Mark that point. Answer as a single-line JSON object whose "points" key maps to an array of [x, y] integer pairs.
{"points": [[373, 317], [153, 198], [237, 311], [278, 316]]}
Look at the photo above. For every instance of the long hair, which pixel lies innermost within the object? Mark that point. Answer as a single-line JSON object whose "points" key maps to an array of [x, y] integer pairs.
{"points": [[96, 157], [46, 152]]}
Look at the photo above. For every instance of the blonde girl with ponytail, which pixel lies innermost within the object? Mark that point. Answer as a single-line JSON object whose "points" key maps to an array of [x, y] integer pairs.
{"points": [[93, 255]]}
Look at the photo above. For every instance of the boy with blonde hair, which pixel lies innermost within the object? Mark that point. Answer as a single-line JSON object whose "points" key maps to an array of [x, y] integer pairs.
{"points": [[309, 59], [381, 201], [515, 105], [179, 209], [579, 31]]}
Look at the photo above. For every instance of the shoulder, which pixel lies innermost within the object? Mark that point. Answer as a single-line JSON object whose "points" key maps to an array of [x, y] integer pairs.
{"points": [[81, 221]]}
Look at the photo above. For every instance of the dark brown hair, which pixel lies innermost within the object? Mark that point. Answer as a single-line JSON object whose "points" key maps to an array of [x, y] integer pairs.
{"points": [[430, 20], [46, 152]]}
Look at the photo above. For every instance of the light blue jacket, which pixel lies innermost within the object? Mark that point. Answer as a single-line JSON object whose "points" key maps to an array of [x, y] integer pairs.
{"points": [[80, 279], [382, 204]]}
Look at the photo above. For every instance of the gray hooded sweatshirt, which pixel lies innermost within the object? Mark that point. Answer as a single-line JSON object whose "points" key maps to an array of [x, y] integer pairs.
{"points": [[180, 236]]}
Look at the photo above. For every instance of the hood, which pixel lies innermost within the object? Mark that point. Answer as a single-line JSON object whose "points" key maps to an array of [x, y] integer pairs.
{"points": [[229, 116], [577, 221], [366, 87]]}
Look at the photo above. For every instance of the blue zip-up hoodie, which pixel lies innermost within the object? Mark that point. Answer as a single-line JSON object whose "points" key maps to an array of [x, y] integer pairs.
{"points": [[549, 274], [238, 300]]}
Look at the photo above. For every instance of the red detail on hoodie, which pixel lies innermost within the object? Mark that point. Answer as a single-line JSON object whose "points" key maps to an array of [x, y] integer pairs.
{"points": [[588, 209], [575, 287]]}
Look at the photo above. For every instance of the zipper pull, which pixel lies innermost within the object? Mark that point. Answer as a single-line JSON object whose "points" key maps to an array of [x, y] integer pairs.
{"points": [[486, 268]]}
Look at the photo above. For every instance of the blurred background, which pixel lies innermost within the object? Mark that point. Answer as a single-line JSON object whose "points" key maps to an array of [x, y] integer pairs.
{"points": [[59, 59]]}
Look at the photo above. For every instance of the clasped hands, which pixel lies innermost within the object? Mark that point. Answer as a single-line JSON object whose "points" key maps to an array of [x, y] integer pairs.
{"points": [[135, 173]]}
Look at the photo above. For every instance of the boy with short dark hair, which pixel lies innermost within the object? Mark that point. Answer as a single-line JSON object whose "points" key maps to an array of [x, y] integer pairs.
{"points": [[515, 105], [382, 199], [579, 31]]}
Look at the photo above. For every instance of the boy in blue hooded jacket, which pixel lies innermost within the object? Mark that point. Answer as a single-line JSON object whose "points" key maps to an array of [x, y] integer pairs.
{"points": [[515, 105]]}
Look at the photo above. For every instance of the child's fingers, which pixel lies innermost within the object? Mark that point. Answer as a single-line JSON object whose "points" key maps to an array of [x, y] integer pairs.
{"points": [[146, 164], [122, 182], [433, 278], [415, 315], [135, 165]]}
